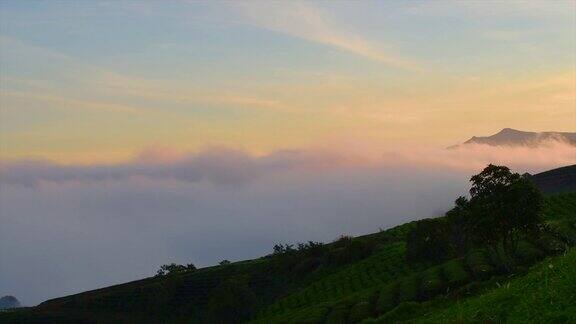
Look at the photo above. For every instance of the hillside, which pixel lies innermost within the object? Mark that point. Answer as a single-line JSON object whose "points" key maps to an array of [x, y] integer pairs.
{"points": [[437, 288], [513, 137], [557, 180], [347, 281], [545, 294]]}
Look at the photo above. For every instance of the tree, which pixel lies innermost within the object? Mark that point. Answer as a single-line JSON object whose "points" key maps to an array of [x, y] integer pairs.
{"points": [[224, 262], [503, 205], [8, 302], [457, 219], [429, 242], [231, 302], [173, 268]]}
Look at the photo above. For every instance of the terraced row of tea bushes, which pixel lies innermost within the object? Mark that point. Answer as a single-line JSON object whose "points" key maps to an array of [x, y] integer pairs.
{"points": [[455, 277], [375, 270], [411, 288], [559, 211], [545, 294]]}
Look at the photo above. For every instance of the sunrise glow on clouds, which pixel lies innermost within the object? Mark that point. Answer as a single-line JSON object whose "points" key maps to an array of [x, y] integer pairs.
{"points": [[97, 83]]}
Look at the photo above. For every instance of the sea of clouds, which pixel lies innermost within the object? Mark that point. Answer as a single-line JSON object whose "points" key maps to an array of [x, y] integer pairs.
{"points": [[69, 228]]}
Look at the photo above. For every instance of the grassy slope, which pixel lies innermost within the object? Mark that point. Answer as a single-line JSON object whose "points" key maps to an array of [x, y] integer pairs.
{"points": [[547, 294], [560, 213]]}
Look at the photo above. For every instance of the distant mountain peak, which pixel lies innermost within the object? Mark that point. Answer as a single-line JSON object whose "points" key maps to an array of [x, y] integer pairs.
{"points": [[509, 130], [513, 137]]}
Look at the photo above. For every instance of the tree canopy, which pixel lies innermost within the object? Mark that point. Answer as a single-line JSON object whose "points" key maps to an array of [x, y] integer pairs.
{"points": [[173, 268], [503, 205]]}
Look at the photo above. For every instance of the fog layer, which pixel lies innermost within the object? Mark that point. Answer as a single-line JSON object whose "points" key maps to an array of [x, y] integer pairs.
{"points": [[67, 229]]}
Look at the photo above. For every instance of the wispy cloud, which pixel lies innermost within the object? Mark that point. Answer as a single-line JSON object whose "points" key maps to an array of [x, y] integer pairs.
{"points": [[303, 20]]}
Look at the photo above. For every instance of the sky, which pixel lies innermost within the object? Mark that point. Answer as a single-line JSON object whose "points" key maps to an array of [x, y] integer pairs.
{"points": [[86, 82], [137, 133]]}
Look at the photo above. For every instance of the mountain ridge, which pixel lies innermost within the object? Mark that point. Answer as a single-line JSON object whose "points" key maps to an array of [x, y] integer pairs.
{"points": [[557, 180], [514, 137]]}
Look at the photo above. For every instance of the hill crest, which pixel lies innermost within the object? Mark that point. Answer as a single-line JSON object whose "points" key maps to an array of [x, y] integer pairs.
{"points": [[514, 137]]}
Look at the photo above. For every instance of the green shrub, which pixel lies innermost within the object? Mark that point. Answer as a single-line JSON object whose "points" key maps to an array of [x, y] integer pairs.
{"points": [[469, 289], [408, 289], [360, 311], [455, 273], [528, 253], [313, 315], [432, 283], [369, 321], [479, 264], [338, 314], [565, 230], [387, 298], [401, 312], [551, 244]]}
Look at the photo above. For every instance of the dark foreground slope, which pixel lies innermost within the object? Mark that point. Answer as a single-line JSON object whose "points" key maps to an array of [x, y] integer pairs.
{"points": [[347, 281], [557, 180]]}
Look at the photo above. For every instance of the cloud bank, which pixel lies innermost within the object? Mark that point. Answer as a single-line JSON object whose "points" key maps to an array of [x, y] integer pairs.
{"points": [[70, 228], [226, 166]]}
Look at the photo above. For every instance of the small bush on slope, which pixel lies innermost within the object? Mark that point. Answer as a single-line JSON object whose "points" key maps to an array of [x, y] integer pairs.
{"points": [[338, 315], [387, 298], [480, 265], [432, 283], [408, 288], [528, 253], [455, 273], [360, 311]]}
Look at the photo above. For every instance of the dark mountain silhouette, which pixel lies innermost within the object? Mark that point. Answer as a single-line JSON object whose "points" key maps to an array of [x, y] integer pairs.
{"points": [[557, 180], [9, 302], [513, 137]]}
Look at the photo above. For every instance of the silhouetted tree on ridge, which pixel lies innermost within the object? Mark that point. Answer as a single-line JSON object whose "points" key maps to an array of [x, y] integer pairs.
{"points": [[503, 207]]}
